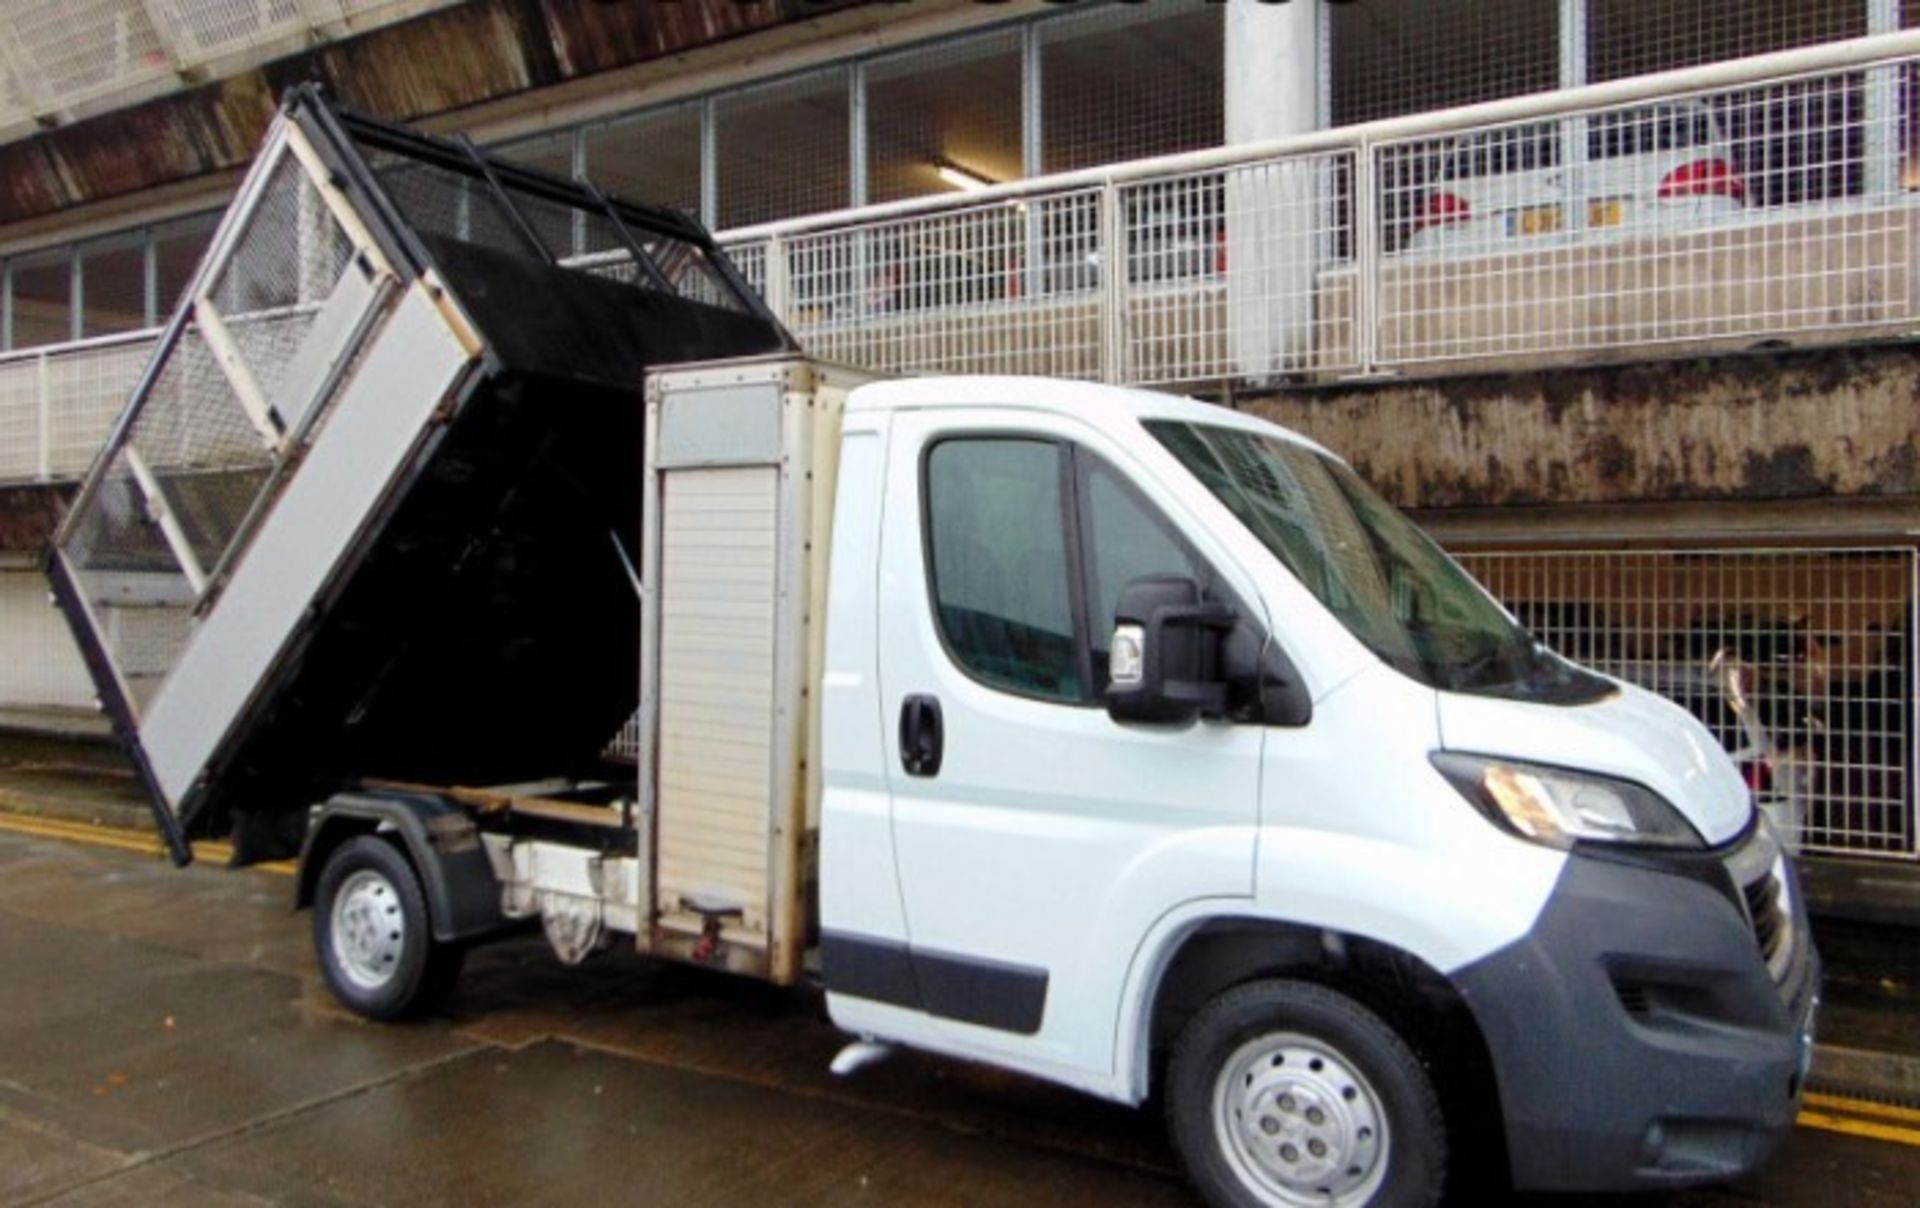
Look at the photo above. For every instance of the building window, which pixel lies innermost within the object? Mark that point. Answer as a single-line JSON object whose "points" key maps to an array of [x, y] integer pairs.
{"points": [[113, 285], [783, 150], [1792, 143], [1131, 81], [1633, 37], [177, 248], [954, 106], [42, 298]]}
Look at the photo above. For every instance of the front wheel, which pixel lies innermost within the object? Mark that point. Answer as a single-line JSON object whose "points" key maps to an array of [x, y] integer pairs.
{"points": [[373, 936], [1284, 1094]]}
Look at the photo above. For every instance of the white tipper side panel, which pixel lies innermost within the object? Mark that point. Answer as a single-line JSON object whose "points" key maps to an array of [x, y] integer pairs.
{"points": [[378, 418], [718, 579]]}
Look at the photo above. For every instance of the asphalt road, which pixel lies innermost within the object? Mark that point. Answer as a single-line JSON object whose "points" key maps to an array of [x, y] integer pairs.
{"points": [[164, 1040]]}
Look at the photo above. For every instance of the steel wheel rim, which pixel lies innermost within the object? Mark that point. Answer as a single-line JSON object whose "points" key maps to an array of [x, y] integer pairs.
{"points": [[369, 929], [1299, 1124]]}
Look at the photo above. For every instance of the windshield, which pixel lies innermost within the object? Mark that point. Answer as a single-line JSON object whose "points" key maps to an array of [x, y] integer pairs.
{"points": [[1383, 578]]}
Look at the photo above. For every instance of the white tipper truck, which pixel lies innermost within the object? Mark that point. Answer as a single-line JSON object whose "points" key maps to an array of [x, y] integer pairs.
{"points": [[1101, 735]]}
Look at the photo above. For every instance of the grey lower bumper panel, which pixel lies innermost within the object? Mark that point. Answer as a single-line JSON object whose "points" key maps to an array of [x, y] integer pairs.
{"points": [[1637, 1037]]}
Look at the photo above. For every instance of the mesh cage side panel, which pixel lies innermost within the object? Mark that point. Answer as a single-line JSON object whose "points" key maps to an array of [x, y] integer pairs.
{"points": [[285, 265], [135, 587], [441, 203], [291, 254], [207, 455]]}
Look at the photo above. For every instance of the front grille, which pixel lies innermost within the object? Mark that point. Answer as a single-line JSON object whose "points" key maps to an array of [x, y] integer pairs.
{"points": [[1759, 868], [1770, 921]]}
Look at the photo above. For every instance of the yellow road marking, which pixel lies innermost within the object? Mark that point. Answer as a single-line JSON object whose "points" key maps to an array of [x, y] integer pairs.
{"points": [[1871, 1129], [1861, 1107], [123, 840]]}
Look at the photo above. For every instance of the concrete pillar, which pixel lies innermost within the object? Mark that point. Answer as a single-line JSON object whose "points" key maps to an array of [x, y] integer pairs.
{"points": [[1276, 214]]}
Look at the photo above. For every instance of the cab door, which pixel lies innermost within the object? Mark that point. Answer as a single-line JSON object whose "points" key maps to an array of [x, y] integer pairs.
{"points": [[1036, 839]]}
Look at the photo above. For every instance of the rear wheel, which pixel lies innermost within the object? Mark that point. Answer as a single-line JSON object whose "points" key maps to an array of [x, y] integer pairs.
{"points": [[373, 936], [1284, 1094]]}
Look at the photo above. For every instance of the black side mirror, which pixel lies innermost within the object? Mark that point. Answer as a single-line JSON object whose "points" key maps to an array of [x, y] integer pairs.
{"points": [[1164, 664]]}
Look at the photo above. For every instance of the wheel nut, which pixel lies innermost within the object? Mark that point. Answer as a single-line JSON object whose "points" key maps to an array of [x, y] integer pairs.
{"points": [[1269, 1125], [1317, 1148], [1289, 1154], [1286, 1103], [1316, 1116]]}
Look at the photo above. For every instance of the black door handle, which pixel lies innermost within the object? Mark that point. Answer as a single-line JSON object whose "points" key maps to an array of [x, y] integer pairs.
{"points": [[922, 737]]}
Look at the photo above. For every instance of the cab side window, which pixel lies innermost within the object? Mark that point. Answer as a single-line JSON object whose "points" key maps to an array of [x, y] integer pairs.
{"points": [[1123, 539], [998, 551]]}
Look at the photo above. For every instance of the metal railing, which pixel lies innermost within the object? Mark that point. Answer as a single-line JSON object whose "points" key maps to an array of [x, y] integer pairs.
{"points": [[1753, 202], [58, 402], [1735, 205], [1801, 662]]}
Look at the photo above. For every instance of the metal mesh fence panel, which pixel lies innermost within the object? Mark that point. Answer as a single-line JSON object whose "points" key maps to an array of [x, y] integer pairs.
{"points": [[1679, 221], [131, 579], [20, 436], [86, 388], [652, 157], [208, 457], [783, 149], [1006, 288], [1800, 661], [1392, 57], [1635, 37], [954, 105], [439, 202], [1126, 82], [751, 261], [272, 285], [625, 744], [1244, 272]]}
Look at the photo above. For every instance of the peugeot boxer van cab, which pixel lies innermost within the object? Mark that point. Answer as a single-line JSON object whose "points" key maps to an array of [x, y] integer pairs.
{"points": [[1214, 775]]}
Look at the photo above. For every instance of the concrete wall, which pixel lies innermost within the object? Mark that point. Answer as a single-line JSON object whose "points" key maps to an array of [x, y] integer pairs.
{"points": [[1834, 426]]}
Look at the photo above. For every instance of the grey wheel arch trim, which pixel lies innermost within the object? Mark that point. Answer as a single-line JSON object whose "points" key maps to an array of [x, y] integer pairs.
{"points": [[463, 895]]}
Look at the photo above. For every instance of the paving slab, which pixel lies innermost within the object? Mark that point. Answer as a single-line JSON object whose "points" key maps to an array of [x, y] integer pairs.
{"points": [[609, 1128], [623, 1079]]}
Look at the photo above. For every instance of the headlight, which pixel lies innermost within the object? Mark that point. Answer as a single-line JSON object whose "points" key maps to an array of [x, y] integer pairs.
{"points": [[1560, 807]]}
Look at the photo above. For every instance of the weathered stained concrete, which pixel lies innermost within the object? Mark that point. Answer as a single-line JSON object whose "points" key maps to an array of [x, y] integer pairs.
{"points": [[28, 516], [1772, 426], [449, 59]]}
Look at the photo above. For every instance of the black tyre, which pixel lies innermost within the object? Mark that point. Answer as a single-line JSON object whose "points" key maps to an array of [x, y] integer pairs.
{"points": [[373, 936], [1287, 1093]]}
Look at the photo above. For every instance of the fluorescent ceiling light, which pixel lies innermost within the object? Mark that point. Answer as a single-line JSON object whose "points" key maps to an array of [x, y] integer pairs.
{"points": [[960, 178]]}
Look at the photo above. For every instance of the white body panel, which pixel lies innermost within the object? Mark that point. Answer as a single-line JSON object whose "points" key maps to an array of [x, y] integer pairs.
{"points": [[1052, 836], [373, 425], [1055, 839]]}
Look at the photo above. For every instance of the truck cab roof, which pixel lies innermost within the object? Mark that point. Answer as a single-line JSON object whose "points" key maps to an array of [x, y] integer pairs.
{"points": [[1088, 400]]}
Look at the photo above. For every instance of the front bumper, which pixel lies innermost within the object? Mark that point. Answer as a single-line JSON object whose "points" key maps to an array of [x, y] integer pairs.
{"points": [[1639, 1035]]}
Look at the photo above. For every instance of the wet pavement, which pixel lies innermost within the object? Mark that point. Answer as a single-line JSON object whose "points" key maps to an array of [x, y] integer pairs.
{"points": [[164, 1040]]}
